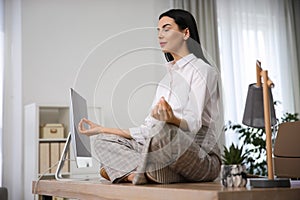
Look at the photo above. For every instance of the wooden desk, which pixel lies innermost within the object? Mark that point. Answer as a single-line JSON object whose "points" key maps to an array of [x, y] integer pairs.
{"points": [[186, 191]]}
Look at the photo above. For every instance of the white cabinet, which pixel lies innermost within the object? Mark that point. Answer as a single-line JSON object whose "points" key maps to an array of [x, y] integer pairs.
{"points": [[34, 147]]}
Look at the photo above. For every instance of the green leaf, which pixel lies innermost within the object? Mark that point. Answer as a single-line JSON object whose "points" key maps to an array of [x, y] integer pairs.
{"points": [[234, 155]]}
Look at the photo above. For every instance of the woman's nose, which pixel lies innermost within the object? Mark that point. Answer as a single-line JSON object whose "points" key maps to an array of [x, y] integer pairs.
{"points": [[160, 35]]}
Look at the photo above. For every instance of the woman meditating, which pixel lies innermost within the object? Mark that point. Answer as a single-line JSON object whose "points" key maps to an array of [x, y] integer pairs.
{"points": [[178, 140]]}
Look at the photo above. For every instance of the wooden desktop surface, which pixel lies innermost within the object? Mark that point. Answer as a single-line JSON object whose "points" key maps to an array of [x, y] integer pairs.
{"points": [[88, 190]]}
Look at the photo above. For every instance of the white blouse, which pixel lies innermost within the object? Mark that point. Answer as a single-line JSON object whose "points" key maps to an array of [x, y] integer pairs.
{"points": [[191, 89]]}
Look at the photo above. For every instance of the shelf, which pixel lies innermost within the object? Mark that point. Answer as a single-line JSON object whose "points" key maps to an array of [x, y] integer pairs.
{"points": [[41, 154], [52, 139]]}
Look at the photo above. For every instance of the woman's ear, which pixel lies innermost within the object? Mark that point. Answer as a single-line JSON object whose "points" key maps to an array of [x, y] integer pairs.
{"points": [[186, 33]]}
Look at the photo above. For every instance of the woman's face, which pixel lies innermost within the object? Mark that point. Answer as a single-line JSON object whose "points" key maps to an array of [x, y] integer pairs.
{"points": [[171, 38]]}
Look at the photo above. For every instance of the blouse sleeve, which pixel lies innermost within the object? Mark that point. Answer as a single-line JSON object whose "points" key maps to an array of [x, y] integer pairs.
{"points": [[198, 110], [195, 105]]}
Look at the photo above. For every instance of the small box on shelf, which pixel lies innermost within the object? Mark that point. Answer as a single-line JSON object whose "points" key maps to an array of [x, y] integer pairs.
{"points": [[51, 130]]}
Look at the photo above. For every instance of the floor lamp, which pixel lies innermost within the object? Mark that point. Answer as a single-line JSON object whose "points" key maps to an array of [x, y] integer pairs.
{"points": [[260, 113]]}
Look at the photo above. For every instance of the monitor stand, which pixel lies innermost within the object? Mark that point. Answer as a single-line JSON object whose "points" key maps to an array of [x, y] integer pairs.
{"points": [[58, 174], [63, 158]]}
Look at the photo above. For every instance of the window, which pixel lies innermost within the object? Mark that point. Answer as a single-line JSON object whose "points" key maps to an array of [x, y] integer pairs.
{"points": [[250, 31], [1, 80]]}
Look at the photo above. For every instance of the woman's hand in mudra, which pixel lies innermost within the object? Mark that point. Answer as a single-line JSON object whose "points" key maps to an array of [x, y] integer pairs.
{"points": [[163, 111], [93, 129]]}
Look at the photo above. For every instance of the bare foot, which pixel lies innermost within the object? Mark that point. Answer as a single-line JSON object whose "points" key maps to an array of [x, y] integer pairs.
{"points": [[130, 177]]}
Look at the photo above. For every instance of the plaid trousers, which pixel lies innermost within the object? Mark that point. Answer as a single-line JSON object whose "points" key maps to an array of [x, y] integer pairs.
{"points": [[187, 157]]}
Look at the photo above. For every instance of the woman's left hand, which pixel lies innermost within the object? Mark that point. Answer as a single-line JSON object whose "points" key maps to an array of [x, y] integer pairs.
{"points": [[93, 129]]}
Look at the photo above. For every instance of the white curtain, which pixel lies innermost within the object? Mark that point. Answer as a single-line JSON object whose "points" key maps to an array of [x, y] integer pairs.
{"points": [[1, 80], [251, 30]]}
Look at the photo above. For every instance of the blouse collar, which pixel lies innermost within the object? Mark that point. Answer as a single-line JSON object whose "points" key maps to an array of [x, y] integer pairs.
{"points": [[182, 62]]}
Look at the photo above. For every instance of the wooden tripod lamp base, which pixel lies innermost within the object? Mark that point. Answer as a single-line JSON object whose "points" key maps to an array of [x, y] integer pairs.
{"points": [[265, 85]]}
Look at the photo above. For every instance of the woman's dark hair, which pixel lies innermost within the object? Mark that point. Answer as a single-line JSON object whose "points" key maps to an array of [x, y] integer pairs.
{"points": [[184, 20]]}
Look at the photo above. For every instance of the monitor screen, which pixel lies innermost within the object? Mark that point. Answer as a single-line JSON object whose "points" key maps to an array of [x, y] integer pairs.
{"points": [[81, 143]]}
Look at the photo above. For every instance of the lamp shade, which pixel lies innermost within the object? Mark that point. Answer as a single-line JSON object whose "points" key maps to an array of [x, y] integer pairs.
{"points": [[254, 108]]}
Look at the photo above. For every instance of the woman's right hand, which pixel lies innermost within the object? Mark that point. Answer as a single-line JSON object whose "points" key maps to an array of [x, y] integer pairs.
{"points": [[93, 129]]}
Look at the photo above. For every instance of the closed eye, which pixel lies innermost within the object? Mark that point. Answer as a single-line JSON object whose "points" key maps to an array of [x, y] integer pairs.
{"points": [[165, 27]]}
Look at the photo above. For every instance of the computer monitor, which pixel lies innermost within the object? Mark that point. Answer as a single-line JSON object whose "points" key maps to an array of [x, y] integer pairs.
{"points": [[81, 143]]}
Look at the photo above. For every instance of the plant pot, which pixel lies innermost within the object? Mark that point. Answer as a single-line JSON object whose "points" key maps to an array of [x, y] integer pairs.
{"points": [[233, 176]]}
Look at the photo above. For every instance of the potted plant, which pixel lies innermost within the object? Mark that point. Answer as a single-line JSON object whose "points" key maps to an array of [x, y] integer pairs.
{"points": [[233, 169]]}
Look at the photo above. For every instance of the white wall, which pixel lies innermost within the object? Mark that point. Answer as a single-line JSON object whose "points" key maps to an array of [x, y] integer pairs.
{"points": [[100, 47], [70, 43]]}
